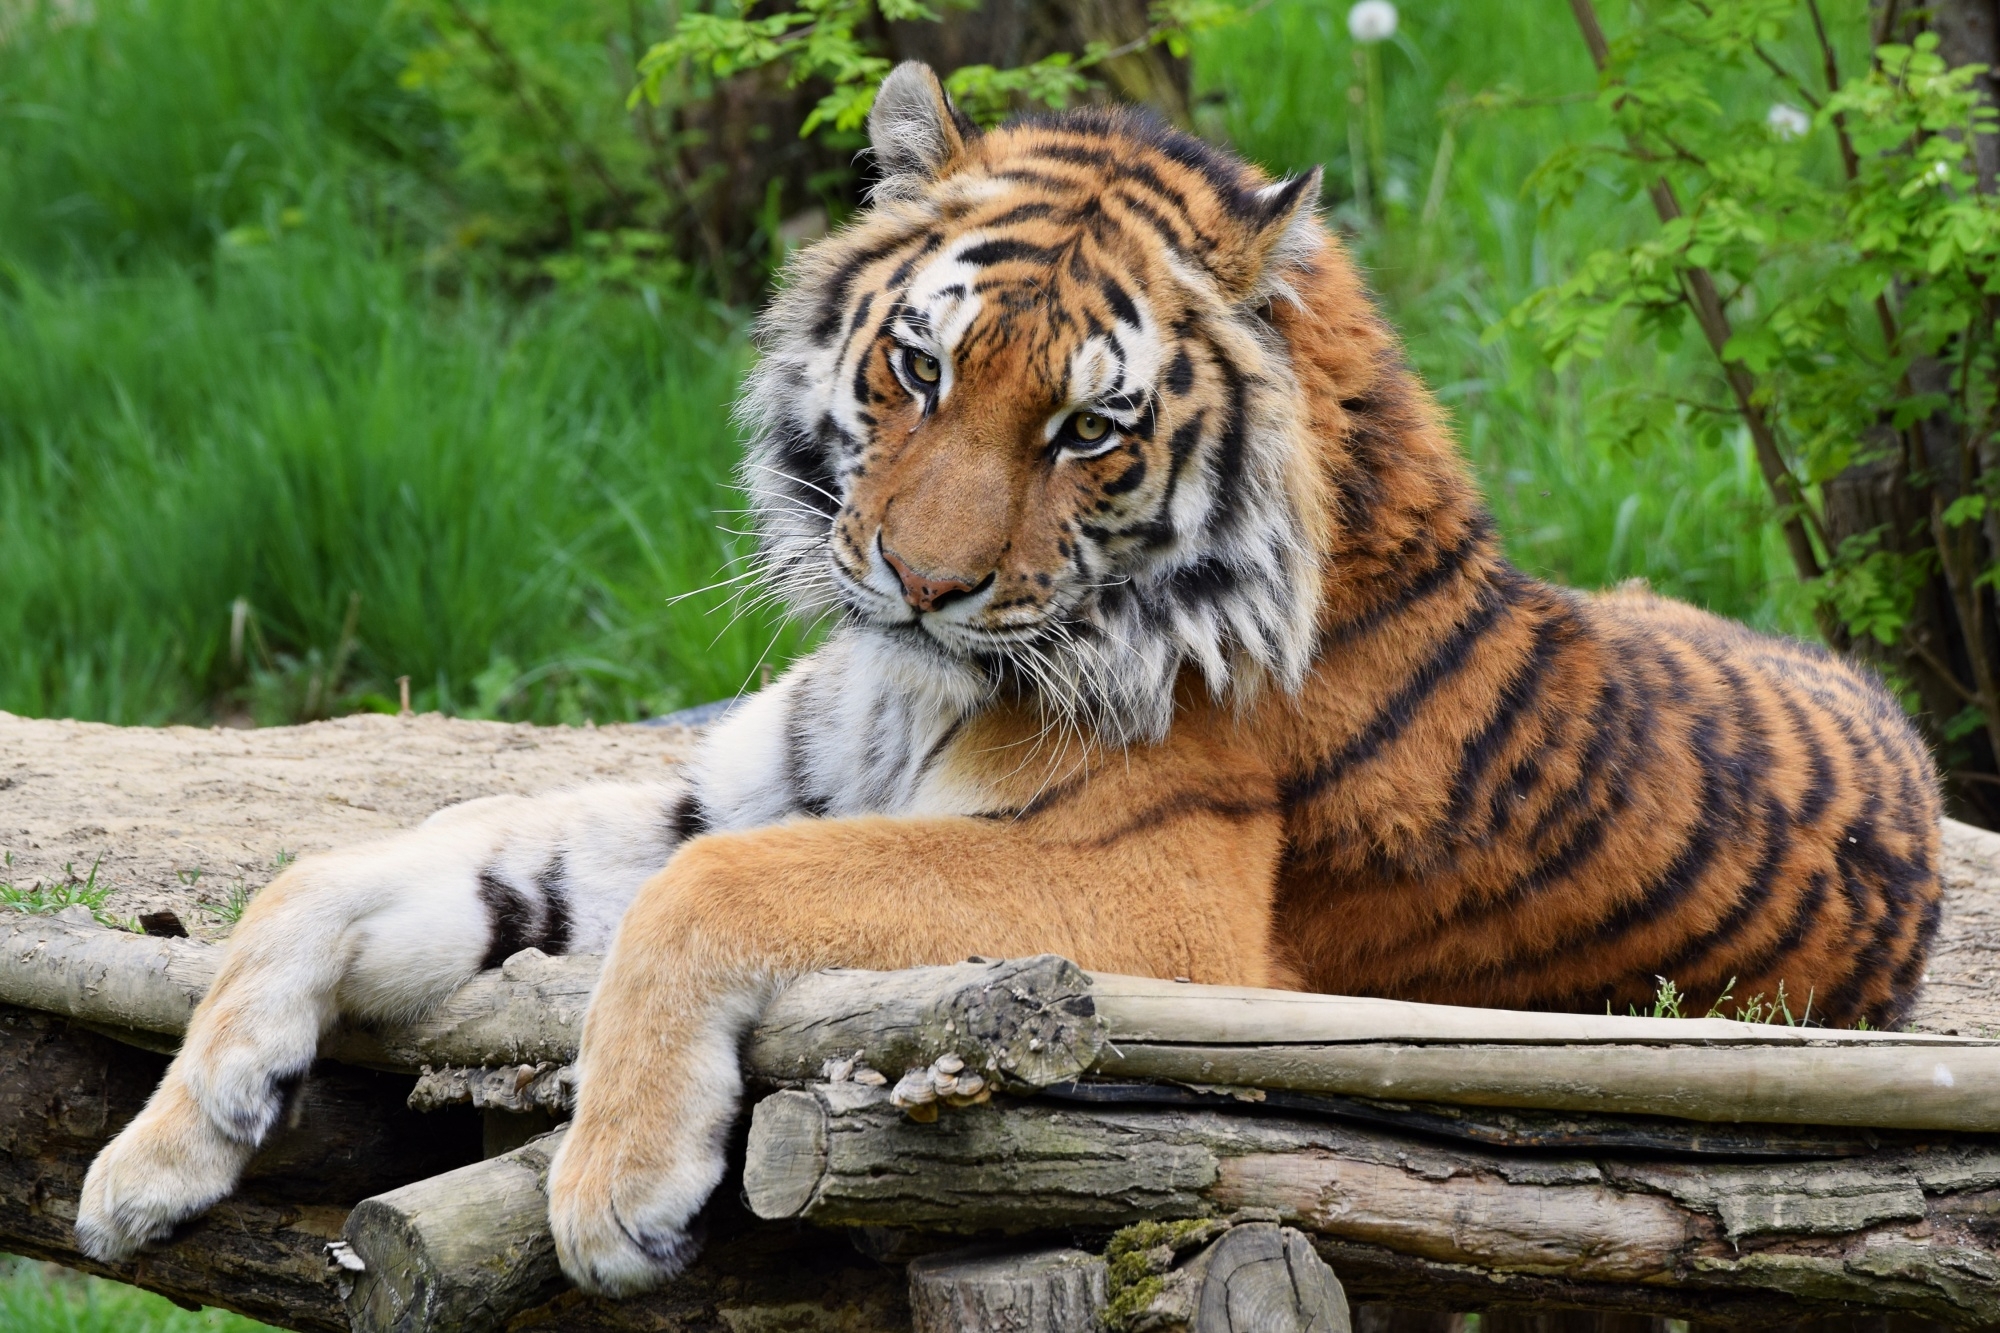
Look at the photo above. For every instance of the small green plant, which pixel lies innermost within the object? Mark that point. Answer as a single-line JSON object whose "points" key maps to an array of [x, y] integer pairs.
{"points": [[46, 899], [230, 910], [1669, 1001]]}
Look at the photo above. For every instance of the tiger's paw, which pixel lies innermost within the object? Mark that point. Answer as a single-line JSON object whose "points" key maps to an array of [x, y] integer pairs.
{"points": [[621, 1227], [170, 1164]]}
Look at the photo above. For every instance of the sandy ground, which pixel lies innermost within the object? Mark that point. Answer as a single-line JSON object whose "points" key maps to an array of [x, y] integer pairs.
{"points": [[176, 818]]}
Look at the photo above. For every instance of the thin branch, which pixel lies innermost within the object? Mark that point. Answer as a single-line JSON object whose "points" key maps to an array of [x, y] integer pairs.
{"points": [[1798, 521], [1922, 652], [1770, 62], [1830, 68]]}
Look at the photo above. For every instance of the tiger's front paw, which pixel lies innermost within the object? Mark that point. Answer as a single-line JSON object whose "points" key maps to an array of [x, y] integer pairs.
{"points": [[170, 1164], [622, 1209]]}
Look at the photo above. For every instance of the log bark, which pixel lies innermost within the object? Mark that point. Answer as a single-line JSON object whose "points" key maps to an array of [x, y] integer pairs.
{"points": [[65, 1091], [1906, 1230], [1033, 1022], [463, 1250], [977, 1291]]}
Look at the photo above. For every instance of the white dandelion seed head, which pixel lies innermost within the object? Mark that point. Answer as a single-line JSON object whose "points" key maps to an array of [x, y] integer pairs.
{"points": [[1372, 21], [1787, 121]]}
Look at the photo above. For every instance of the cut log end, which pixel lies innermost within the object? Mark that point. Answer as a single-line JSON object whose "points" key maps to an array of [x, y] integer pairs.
{"points": [[976, 1291], [782, 1172]]}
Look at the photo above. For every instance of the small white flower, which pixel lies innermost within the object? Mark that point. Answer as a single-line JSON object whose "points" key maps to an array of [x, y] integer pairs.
{"points": [[1372, 21], [1787, 121], [1938, 174]]}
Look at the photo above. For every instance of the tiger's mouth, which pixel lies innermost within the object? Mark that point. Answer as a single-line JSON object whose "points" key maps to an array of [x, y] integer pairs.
{"points": [[972, 617]]}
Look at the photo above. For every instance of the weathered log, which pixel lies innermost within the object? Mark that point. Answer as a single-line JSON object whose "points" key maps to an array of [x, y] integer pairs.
{"points": [[1036, 1021], [470, 1250], [1904, 1230], [64, 1092], [978, 1291], [1256, 1277], [1026, 1023], [464, 1250]]}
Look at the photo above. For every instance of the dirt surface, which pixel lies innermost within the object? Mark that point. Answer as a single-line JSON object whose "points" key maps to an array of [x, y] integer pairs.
{"points": [[177, 818]]}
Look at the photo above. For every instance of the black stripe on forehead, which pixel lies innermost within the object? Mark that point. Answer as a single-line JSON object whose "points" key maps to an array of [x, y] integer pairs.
{"points": [[1129, 128], [839, 285]]}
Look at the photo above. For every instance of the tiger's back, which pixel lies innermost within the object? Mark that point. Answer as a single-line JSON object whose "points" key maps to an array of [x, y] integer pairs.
{"points": [[1614, 790]]}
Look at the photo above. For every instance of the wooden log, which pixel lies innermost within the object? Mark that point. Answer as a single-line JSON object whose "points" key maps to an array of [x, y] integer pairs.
{"points": [[978, 1291], [470, 1250], [1033, 1022], [1024, 1023], [65, 1091], [1256, 1277], [1904, 1230], [464, 1250], [1886, 1087]]}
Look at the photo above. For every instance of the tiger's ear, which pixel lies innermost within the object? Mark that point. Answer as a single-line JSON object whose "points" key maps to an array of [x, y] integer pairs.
{"points": [[1281, 231], [916, 131]]}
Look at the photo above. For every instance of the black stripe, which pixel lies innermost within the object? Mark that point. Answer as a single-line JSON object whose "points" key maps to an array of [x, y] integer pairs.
{"points": [[1184, 806], [803, 797], [1517, 698], [1121, 304], [510, 918], [1684, 966], [1668, 890], [1446, 661], [686, 819], [1436, 575], [841, 282], [554, 884], [1226, 461], [1003, 249]]}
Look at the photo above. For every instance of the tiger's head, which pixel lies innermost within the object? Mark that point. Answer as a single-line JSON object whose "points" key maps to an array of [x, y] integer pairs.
{"points": [[1029, 419]]}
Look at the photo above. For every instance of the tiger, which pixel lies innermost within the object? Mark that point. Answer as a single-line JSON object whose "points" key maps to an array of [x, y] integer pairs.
{"points": [[1170, 634]]}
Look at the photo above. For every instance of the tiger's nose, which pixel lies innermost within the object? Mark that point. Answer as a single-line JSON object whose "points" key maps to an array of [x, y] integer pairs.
{"points": [[927, 592]]}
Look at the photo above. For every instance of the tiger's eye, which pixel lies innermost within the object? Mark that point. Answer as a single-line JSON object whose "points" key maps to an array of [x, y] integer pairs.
{"points": [[1090, 427], [925, 367]]}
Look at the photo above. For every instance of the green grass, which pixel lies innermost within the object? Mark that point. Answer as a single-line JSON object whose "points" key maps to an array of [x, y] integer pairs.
{"points": [[43, 899], [40, 1298], [266, 446]]}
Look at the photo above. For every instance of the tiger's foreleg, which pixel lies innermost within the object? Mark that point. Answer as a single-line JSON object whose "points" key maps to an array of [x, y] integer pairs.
{"points": [[380, 932], [1186, 892]]}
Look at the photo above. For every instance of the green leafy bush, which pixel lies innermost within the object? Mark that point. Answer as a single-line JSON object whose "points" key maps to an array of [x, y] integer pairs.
{"points": [[1831, 240]]}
